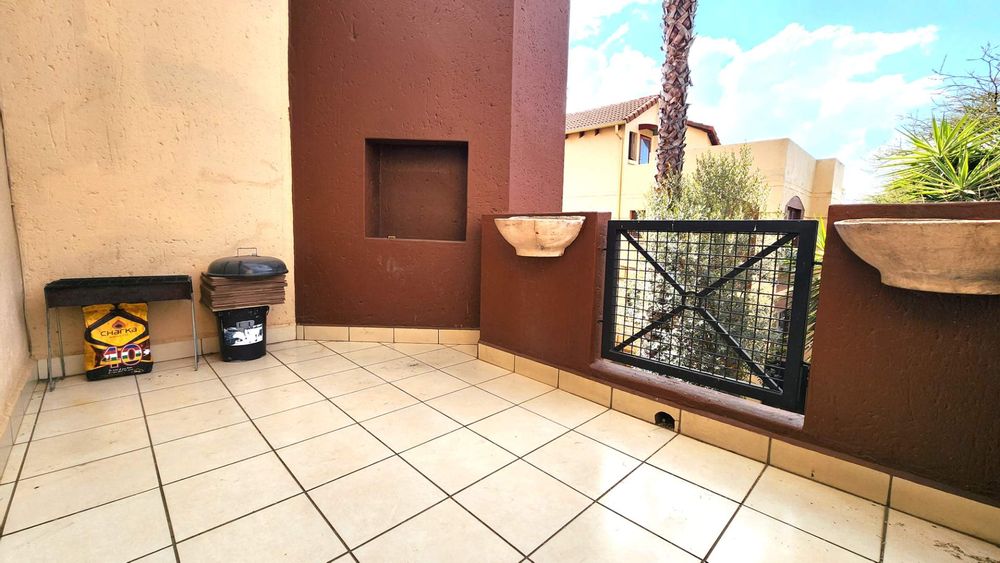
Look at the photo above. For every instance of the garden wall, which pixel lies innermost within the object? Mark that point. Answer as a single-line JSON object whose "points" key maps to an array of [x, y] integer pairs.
{"points": [[904, 381]]}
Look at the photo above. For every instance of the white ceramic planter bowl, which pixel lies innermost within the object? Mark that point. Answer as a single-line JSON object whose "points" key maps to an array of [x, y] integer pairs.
{"points": [[541, 235], [939, 255]]}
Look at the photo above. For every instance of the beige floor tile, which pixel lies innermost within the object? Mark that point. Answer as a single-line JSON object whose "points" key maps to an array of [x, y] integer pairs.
{"points": [[375, 355], [844, 519], [910, 539], [729, 474], [515, 388], [405, 428], [6, 490], [175, 364], [243, 383], [291, 531], [458, 459], [295, 425], [14, 459], [443, 357], [178, 423], [277, 399], [584, 464], [475, 372], [324, 458], [753, 537], [89, 392], [182, 396], [374, 401], [64, 492], [518, 430], [202, 452], [345, 347], [469, 404], [165, 555], [430, 385], [67, 450], [89, 415], [684, 514], [322, 366], [624, 433], [232, 368], [33, 405], [445, 534], [368, 502], [302, 353], [565, 408], [209, 499], [522, 504], [337, 384], [94, 535], [413, 348], [599, 535], [278, 346], [162, 379], [27, 426], [399, 368]]}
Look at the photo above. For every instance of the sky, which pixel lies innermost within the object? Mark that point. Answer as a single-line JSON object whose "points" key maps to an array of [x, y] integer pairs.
{"points": [[837, 77]]}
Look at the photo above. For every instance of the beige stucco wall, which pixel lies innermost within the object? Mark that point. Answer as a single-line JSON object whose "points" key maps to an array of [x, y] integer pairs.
{"points": [[145, 138], [595, 165], [789, 172], [14, 364]]}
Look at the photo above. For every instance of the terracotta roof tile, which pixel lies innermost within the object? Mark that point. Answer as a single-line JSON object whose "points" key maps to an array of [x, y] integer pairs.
{"points": [[623, 112], [609, 114]]}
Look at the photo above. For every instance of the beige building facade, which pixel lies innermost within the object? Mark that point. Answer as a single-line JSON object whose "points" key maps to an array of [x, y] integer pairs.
{"points": [[610, 163]]}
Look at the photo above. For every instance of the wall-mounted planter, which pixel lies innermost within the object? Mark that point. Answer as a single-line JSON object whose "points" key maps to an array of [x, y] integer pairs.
{"points": [[939, 255], [541, 235]]}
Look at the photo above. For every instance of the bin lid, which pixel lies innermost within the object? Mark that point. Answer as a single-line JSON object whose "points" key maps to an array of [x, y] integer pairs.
{"points": [[247, 267]]}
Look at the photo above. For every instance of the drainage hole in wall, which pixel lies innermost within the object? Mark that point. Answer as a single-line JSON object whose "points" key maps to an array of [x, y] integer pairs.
{"points": [[665, 420]]}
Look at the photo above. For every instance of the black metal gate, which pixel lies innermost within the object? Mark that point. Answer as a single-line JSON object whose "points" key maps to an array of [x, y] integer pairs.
{"points": [[722, 304]]}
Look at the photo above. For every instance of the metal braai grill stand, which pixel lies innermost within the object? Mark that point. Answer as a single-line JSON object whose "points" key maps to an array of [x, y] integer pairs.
{"points": [[238, 289], [81, 292]]}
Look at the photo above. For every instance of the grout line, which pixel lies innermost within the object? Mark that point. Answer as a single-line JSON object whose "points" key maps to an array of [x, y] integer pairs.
{"points": [[885, 522], [159, 479], [82, 510], [274, 452], [739, 506]]}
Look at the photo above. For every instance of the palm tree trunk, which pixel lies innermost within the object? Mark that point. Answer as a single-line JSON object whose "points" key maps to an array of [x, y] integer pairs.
{"points": [[678, 34]]}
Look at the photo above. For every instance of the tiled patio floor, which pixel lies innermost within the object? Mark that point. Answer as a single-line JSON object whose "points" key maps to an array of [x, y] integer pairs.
{"points": [[406, 452]]}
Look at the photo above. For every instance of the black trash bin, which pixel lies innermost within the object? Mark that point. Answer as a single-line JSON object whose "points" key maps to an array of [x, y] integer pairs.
{"points": [[242, 280], [242, 333]]}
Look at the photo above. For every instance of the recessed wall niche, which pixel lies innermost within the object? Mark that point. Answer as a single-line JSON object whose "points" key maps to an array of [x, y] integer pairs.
{"points": [[416, 189]]}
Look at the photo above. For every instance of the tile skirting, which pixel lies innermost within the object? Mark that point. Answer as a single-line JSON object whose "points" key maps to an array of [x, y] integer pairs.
{"points": [[400, 335], [940, 507]]}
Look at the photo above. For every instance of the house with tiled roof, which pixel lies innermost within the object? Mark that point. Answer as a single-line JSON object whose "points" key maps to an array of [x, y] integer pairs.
{"points": [[610, 163]]}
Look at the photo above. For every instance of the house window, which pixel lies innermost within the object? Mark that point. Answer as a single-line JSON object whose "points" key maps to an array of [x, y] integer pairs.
{"points": [[639, 147], [645, 145]]}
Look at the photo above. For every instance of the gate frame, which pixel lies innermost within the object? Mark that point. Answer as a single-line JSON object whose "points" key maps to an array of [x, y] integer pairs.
{"points": [[792, 395]]}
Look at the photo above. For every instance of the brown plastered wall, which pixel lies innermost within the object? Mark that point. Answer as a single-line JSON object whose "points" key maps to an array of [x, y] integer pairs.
{"points": [[544, 307], [906, 382], [908, 379], [412, 70]]}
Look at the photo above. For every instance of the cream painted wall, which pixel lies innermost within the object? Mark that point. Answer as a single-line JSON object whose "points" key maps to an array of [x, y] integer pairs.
{"points": [[596, 165], [14, 364], [145, 138], [789, 172]]}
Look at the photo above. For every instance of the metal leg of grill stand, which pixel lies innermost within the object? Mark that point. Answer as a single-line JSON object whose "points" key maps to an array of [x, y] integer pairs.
{"points": [[48, 356], [62, 353], [194, 332]]}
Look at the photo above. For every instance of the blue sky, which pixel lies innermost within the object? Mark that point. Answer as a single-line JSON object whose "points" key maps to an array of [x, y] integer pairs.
{"points": [[837, 77]]}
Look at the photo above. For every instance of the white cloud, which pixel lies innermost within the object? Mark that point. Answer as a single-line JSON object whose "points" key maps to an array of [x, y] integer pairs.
{"points": [[586, 16], [596, 78], [821, 88]]}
